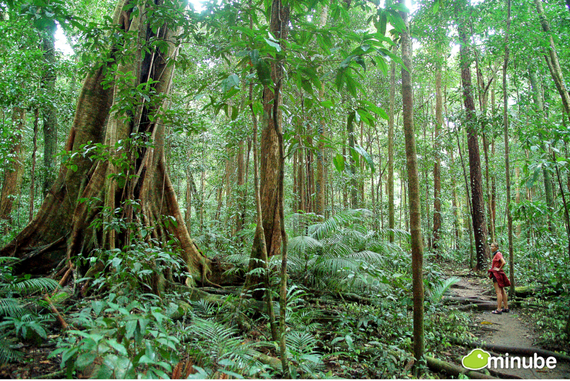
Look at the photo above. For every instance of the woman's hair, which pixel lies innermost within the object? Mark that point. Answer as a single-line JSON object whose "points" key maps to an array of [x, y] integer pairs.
{"points": [[495, 244]]}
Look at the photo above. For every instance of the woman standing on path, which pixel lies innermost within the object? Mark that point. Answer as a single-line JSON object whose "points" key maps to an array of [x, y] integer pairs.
{"points": [[500, 279]]}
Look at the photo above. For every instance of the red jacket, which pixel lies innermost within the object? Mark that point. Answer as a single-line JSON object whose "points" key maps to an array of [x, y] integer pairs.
{"points": [[500, 275]]}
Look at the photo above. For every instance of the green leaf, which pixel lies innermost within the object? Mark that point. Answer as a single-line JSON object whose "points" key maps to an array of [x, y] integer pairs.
{"points": [[85, 360], [338, 162], [130, 327], [366, 156], [359, 60], [381, 23], [98, 306], [350, 85], [271, 41], [230, 83], [247, 31], [375, 109], [263, 72]]}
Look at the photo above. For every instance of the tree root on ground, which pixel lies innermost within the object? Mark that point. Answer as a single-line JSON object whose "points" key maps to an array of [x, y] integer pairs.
{"points": [[454, 370]]}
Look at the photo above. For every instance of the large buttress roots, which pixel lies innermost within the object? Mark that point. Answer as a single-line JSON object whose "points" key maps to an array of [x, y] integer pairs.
{"points": [[62, 228]]}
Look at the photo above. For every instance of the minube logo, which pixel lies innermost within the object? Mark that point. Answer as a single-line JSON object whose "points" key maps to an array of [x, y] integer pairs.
{"points": [[479, 359]]}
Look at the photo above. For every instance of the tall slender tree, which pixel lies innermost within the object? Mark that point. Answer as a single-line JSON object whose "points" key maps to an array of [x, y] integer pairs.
{"points": [[551, 58], [507, 159], [49, 111], [437, 163], [271, 163], [414, 190], [391, 203], [477, 203]]}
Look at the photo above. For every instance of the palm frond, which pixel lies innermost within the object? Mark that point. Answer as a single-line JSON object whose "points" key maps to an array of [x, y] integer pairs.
{"points": [[301, 244], [8, 354], [8, 260], [29, 286], [334, 266], [301, 342], [368, 257], [11, 307], [204, 308], [436, 294], [325, 228]]}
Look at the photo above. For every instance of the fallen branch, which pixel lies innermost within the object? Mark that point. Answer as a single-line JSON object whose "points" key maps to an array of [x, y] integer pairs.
{"points": [[58, 316], [54, 375], [63, 280]]}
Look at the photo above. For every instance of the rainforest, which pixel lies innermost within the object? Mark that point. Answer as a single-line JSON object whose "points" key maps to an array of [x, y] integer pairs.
{"points": [[276, 189]]}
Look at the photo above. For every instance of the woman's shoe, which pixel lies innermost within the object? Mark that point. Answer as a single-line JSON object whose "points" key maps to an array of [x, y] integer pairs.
{"points": [[497, 312], [505, 310]]}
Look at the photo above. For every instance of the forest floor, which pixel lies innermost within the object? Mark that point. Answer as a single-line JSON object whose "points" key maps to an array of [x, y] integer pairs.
{"points": [[513, 329]]}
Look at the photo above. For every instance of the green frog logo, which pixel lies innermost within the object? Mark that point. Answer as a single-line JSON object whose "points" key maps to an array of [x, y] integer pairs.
{"points": [[476, 359]]}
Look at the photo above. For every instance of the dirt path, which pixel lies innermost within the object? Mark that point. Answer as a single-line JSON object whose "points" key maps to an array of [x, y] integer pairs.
{"points": [[508, 329]]}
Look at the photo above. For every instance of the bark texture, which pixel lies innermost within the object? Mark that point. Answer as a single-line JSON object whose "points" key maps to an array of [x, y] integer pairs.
{"points": [[131, 169]]}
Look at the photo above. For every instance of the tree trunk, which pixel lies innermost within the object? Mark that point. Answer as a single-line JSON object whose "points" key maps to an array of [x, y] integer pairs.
{"points": [[352, 166], [478, 205], [13, 169], [414, 192], [49, 110], [33, 171], [271, 158], [455, 203], [552, 60], [240, 216], [507, 163], [391, 223], [539, 108], [468, 204], [437, 164], [320, 184], [62, 227]]}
